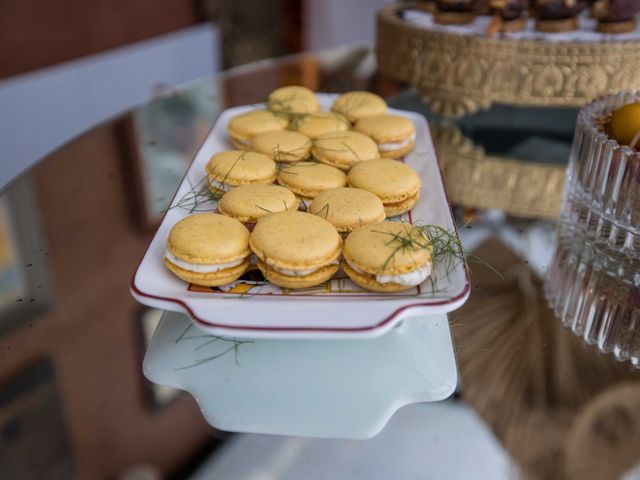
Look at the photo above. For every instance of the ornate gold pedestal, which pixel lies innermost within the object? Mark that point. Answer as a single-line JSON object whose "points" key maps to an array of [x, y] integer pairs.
{"points": [[477, 180], [458, 75]]}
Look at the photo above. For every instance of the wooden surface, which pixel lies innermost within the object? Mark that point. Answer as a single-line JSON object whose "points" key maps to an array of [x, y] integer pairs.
{"points": [[91, 332], [36, 34]]}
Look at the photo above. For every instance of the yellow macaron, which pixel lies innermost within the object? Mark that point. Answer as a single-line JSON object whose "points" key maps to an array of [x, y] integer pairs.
{"points": [[249, 203], [282, 145], [395, 183], [315, 124], [387, 256], [296, 249], [308, 179], [394, 134], [348, 208], [208, 249], [344, 149], [244, 126], [231, 168], [293, 99], [355, 105]]}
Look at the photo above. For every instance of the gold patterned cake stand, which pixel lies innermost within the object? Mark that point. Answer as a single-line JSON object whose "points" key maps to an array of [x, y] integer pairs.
{"points": [[458, 75], [477, 180]]}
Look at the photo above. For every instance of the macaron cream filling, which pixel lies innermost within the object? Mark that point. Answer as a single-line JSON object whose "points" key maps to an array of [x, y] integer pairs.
{"points": [[202, 268], [223, 187], [387, 147], [409, 279], [243, 141], [303, 272]]}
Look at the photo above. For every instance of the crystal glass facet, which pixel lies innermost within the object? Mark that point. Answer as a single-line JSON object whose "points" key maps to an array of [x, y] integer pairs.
{"points": [[593, 283]]}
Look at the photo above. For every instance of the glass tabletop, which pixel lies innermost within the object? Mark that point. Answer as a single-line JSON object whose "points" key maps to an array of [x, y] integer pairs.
{"points": [[74, 227]]}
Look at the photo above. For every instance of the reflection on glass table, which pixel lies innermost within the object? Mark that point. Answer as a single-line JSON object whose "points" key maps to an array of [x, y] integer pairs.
{"points": [[79, 222]]}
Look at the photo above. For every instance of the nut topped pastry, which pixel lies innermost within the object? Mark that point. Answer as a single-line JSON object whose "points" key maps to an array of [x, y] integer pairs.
{"points": [[616, 16], [554, 16]]}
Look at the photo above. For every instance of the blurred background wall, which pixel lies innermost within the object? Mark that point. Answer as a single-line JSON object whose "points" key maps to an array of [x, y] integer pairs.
{"points": [[36, 34], [72, 64], [330, 23]]}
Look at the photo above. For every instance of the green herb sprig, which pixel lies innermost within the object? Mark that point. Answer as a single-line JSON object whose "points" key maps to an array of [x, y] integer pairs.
{"points": [[198, 195], [281, 108], [444, 246], [234, 346], [324, 211], [278, 154], [201, 193]]}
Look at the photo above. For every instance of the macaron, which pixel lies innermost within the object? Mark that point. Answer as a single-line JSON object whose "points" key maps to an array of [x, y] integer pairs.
{"points": [[394, 134], [208, 249], [293, 99], [348, 208], [315, 124], [387, 256], [231, 168], [308, 179], [249, 203], [394, 182], [355, 105], [296, 249], [246, 125], [282, 145], [344, 149]]}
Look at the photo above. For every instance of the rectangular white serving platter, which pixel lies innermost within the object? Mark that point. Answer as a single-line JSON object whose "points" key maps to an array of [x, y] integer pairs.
{"points": [[337, 309]]}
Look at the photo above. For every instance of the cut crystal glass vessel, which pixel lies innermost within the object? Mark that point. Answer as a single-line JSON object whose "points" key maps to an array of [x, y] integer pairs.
{"points": [[593, 283]]}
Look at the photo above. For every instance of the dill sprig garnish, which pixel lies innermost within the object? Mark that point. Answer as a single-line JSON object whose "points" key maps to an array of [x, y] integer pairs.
{"points": [[446, 248], [284, 203], [285, 167], [352, 105], [444, 245], [211, 339], [411, 240], [281, 108], [201, 193], [198, 195], [352, 150], [266, 209], [339, 137], [278, 154], [324, 211], [346, 148]]}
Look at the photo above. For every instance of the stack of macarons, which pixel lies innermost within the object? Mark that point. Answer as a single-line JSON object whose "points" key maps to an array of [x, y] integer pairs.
{"points": [[339, 166]]}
